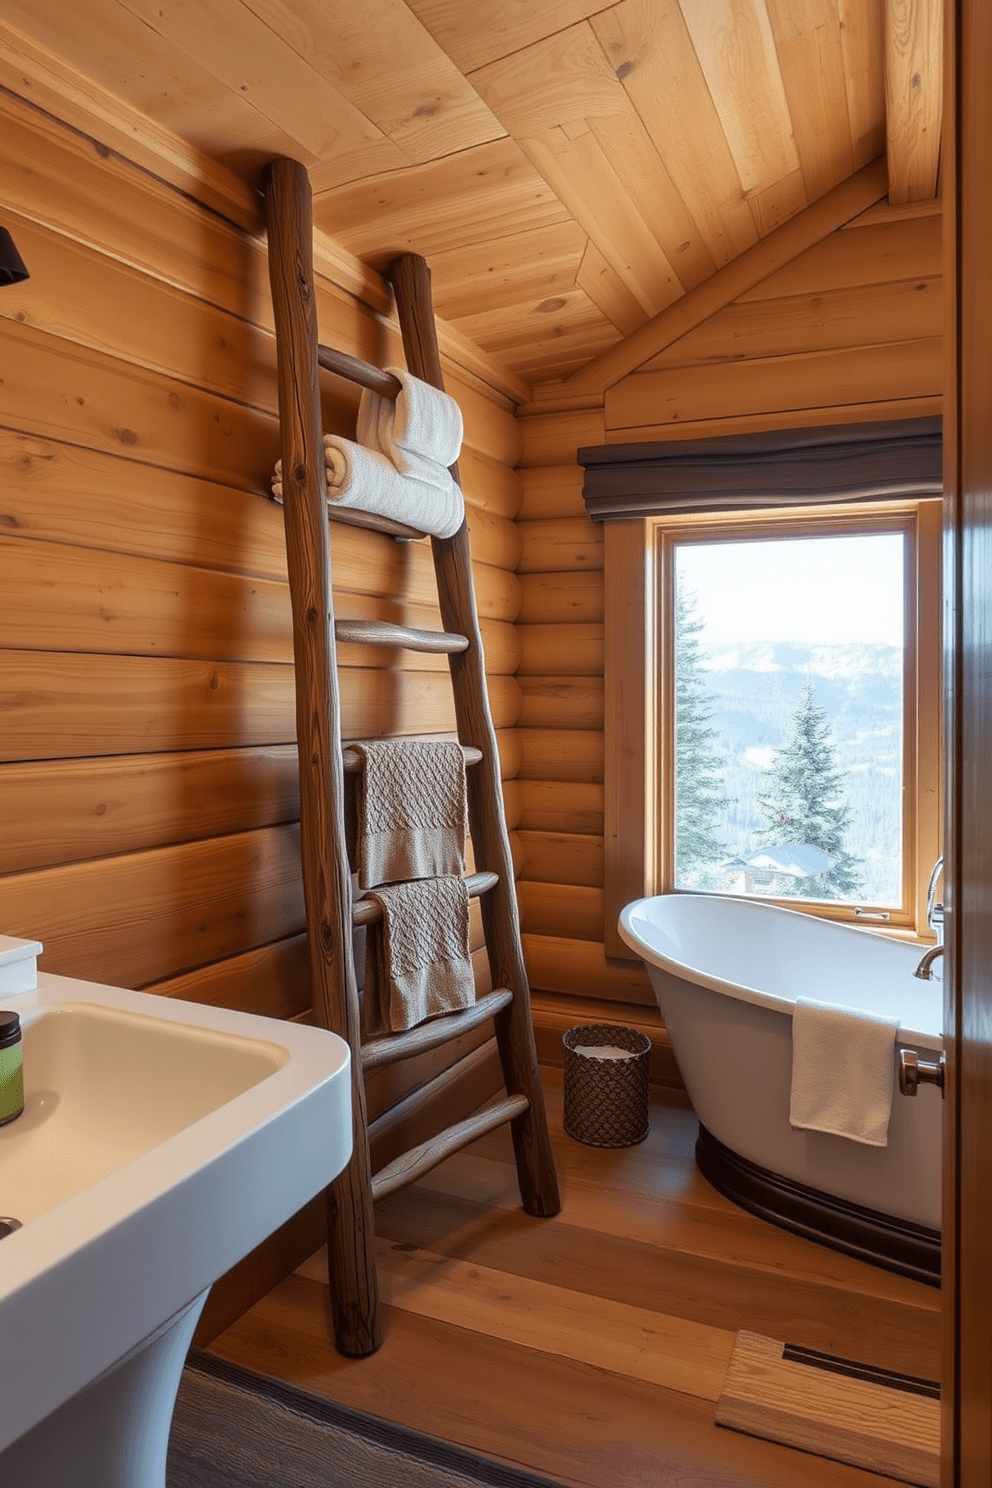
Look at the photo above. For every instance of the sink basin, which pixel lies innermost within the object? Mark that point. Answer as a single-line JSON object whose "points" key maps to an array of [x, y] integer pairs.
{"points": [[105, 1086], [161, 1141]]}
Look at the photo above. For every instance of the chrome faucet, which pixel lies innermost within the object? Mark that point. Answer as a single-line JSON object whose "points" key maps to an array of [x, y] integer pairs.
{"points": [[925, 968], [935, 911]]}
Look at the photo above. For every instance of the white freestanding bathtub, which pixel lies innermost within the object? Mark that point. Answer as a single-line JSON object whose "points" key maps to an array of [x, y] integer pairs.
{"points": [[726, 973]]}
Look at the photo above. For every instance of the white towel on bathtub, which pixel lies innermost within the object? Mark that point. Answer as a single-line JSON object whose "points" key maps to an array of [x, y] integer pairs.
{"points": [[842, 1068]]}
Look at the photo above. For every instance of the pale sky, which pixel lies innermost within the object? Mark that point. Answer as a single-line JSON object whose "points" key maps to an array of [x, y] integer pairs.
{"points": [[807, 590]]}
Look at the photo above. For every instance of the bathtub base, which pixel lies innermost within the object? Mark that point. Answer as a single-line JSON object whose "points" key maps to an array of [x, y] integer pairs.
{"points": [[895, 1244]]}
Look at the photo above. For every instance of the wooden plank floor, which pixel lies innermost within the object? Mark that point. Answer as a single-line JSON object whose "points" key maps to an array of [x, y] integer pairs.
{"points": [[591, 1347]]}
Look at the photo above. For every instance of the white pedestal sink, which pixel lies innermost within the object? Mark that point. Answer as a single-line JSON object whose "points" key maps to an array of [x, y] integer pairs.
{"points": [[161, 1141]]}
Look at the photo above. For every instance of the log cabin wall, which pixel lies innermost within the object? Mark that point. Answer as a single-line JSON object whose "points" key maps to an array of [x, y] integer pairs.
{"points": [[849, 329], [148, 785]]}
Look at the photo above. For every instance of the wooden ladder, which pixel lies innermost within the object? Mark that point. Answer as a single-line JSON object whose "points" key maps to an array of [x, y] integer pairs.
{"points": [[327, 882]]}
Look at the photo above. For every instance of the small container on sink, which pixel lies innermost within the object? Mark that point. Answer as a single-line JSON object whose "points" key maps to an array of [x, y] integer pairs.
{"points": [[11, 1068]]}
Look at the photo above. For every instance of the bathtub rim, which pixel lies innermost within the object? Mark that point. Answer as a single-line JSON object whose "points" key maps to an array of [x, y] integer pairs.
{"points": [[739, 990]]}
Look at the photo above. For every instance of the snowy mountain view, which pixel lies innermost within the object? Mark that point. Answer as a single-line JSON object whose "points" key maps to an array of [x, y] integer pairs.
{"points": [[751, 691]]}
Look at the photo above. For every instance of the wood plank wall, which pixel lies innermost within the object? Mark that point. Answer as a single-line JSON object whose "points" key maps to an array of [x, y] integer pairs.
{"points": [[148, 789], [147, 759], [849, 330]]}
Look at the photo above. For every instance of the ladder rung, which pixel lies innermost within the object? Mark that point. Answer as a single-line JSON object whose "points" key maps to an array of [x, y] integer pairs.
{"points": [[353, 760], [394, 1046], [369, 912], [383, 633], [410, 1166], [353, 516], [364, 373]]}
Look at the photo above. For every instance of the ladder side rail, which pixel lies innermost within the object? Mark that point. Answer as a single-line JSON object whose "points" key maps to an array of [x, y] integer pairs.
{"points": [[536, 1174], [326, 873]]}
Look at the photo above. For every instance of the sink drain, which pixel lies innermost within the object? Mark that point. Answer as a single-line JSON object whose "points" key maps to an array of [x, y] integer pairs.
{"points": [[8, 1226]]}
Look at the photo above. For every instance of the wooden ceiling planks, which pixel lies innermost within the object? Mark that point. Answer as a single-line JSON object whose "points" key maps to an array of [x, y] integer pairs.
{"points": [[610, 157], [558, 82], [389, 67], [637, 161], [249, 58], [736, 49], [607, 289], [474, 35], [491, 191], [862, 41], [777, 203], [107, 43], [583, 178], [811, 55], [30, 70], [527, 266], [651, 50], [563, 102], [913, 95], [104, 43], [555, 333]]}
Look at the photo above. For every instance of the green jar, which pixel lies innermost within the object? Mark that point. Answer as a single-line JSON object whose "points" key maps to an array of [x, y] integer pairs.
{"points": [[11, 1068]]}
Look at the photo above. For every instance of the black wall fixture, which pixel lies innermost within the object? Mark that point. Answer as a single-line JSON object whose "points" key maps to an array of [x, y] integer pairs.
{"points": [[12, 266]]}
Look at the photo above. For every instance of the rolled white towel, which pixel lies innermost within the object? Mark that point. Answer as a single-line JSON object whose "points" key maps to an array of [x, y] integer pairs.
{"points": [[365, 480], [842, 1071], [421, 424]]}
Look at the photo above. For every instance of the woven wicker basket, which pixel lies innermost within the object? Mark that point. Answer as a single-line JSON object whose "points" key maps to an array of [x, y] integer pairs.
{"points": [[606, 1098]]}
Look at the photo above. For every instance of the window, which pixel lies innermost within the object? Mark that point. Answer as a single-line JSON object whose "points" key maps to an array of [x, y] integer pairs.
{"points": [[773, 708], [832, 482]]}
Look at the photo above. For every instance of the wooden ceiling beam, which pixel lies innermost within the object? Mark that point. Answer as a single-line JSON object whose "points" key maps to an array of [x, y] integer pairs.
{"points": [[913, 97], [586, 388]]}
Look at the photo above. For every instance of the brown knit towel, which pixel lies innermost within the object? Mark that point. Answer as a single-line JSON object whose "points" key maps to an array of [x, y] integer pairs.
{"points": [[411, 811], [417, 959]]}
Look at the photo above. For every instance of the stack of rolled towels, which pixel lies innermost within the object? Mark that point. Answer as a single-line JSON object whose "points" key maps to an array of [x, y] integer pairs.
{"points": [[398, 468]]}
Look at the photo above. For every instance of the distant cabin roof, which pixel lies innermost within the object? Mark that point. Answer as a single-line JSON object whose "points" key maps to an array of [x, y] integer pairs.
{"points": [[796, 859]]}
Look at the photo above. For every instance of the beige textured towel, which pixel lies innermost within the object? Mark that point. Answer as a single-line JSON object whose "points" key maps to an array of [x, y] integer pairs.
{"points": [[417, 959], [410, 799]]}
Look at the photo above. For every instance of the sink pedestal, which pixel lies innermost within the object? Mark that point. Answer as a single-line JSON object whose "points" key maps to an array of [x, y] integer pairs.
{"points": [[115, 1433]]}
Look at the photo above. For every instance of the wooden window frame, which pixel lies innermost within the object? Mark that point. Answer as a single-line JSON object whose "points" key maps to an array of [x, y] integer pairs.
{"points": [[638, 733]]}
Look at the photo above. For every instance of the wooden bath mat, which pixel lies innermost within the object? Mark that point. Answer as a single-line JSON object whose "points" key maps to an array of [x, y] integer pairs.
{"points": [[873, 1418]]}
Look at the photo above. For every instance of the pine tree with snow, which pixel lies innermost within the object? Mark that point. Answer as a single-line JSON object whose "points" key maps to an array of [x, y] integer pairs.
{"points": [[800, 799], [699, 791]]}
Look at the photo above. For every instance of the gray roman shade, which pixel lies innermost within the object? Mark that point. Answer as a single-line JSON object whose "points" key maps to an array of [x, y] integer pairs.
{"points": [[783, 467]]}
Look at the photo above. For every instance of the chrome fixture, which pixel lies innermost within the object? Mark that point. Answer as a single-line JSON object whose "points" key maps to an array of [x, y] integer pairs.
{"points": [[924, 969], [914, 1072], [935, 911], [12, 266]]}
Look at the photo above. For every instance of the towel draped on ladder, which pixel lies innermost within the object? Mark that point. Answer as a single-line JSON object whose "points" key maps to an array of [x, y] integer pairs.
{"points": [[418, 963], [411, 804], [410, 849]]}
